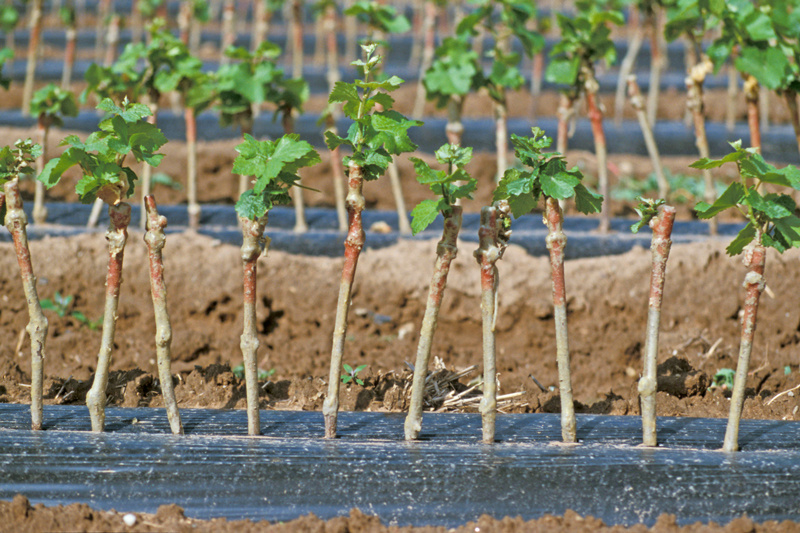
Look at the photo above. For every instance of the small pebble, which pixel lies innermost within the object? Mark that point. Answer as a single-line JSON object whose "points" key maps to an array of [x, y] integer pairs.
{"points": [[129, 519]]}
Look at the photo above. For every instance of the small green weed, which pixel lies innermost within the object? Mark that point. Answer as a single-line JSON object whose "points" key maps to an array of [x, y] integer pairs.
{"points": [[61, 304], [352, 374], [724, 379], [263, 375]]}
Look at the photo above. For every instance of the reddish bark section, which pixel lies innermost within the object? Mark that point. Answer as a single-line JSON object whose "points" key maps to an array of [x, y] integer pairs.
{"points": [[120, 216], [662, 231], [556, 242], [753, 113]]}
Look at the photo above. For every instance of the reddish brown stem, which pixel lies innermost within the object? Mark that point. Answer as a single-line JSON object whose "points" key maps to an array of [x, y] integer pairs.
{"points": [[16, 221], [694, 101], [751, 89], [112, 40], [297, 39], [446, 252], [791, 102], [648, 384], [754, 259], [566, 110], [253, 245], [69, 57], [33, 48], [455, 127], [556, 241], [117, 235], [184, 20], [427, 56], [501, 133], [155, 240], [228, 29], [191, 168], [647, 132], [600, 150], [352, 250], [537, 73], [39, 210]]}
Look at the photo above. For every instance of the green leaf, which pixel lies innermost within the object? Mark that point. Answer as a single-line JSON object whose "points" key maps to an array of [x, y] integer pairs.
{"points": [[586, 201], [393, 130], [563, 71], [733, 196], [251, 205], [425, 213], [522, 205], [769, 66], [425, 174], [745, 237]]}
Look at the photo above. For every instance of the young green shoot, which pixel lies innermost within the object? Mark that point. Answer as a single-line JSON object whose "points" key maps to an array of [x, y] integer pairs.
{"points": [[101, 159], [381, 20], [585, 40], [274, 164], [660, 218], [771, 223], [15, 162], [449, 186], [377, 133], [49, 105], [549, 179], [351, 374], [454, 73], [502, 20]]}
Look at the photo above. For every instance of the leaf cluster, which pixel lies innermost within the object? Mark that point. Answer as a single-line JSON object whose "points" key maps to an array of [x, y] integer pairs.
{"points": [[379, 17], [767, 39], [9, 17], [455, 70], [377, 132], [101, 157], [274, 164], [585, 39], [503, 19], [444, 184], [647, 210], [255, 78], [548, 177], [6, 54], [771, 216], [51, 103], [18, 160]]}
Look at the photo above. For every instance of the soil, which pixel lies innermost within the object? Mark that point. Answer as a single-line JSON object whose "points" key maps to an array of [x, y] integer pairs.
{"points": [[19, 516]]}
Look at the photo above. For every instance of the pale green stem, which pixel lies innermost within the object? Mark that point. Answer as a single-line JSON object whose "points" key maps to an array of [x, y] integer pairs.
{"points": [[754, 259], [352, 249], [116, 236], [253, 245], [446, 252], [155, 240], [16, 221], [648, 384]]}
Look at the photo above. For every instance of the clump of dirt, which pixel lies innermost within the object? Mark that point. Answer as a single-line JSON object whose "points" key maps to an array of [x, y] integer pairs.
{"points": [[19, 516]]}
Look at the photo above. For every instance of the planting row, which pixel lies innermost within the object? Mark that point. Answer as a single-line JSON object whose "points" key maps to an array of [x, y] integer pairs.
{"points": [[269, 170]]}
